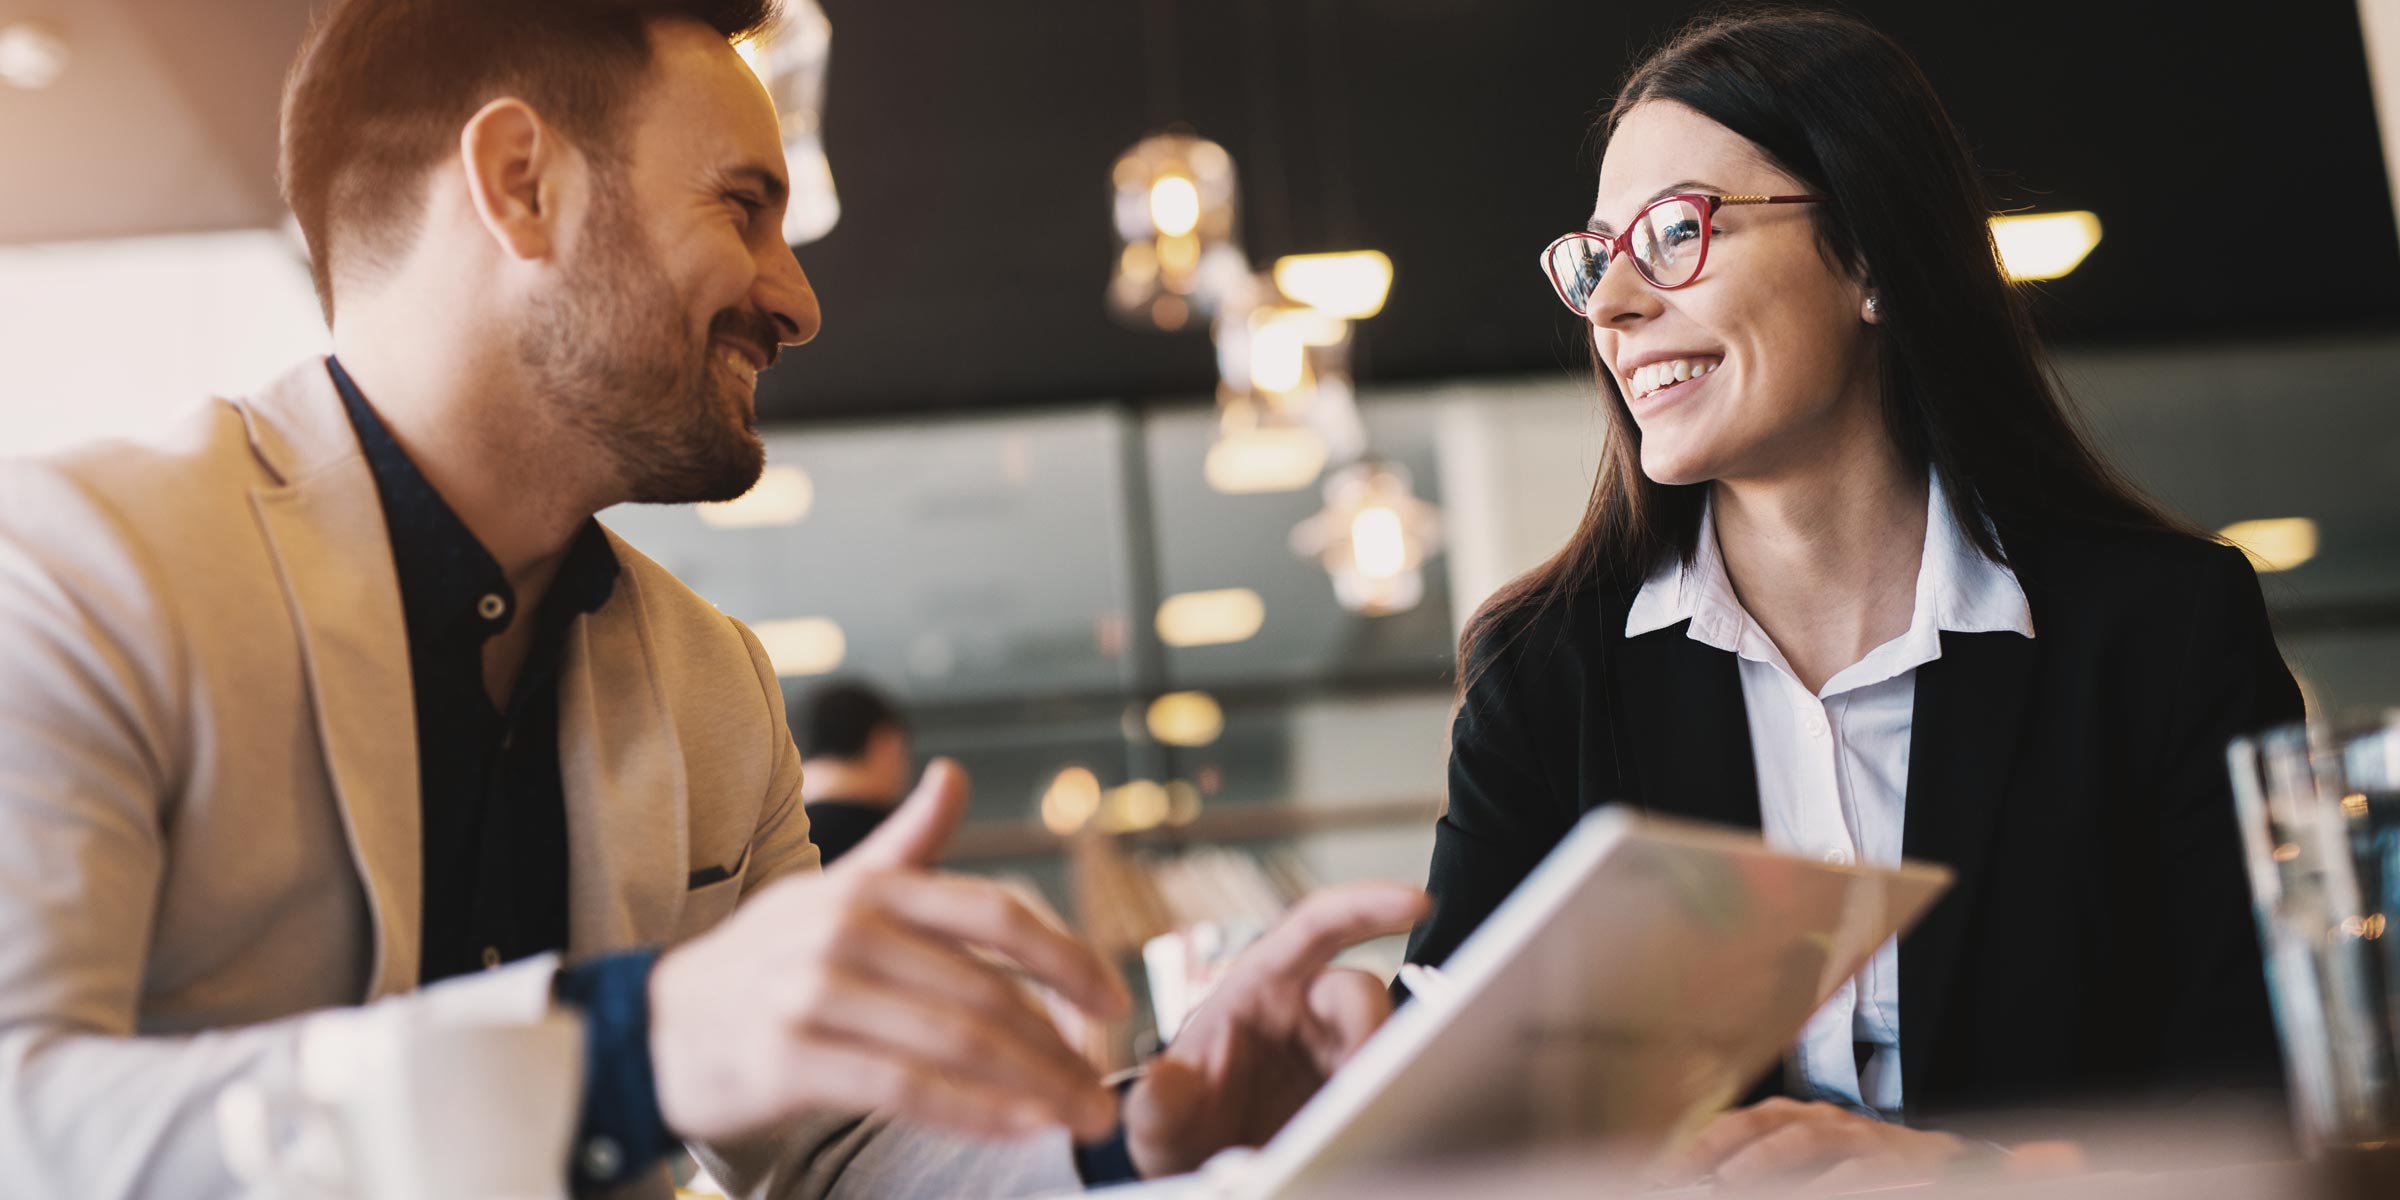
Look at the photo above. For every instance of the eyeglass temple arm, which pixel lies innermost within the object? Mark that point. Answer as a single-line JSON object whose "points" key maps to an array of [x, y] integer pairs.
{"points": [[1769, 199]]}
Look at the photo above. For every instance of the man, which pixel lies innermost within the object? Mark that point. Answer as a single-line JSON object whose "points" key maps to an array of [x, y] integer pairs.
{"points": [[854, 763], [338, 694]]}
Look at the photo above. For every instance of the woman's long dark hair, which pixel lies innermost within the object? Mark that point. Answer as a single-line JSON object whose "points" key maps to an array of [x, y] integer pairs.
{"points": [[1966, 386]]}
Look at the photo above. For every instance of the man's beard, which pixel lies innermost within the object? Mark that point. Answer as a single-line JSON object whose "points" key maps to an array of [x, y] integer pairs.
{"points": [[609, 357]]}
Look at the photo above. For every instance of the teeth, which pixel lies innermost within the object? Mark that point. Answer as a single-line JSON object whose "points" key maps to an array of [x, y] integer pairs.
{"points": [[741, 366], [1651, 378]]}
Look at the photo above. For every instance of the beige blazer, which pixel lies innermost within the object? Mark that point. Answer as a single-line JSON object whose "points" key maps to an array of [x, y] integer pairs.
{"points": [[209, 802]]}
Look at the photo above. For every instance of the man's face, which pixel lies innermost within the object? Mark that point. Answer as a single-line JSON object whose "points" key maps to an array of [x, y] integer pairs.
{"points": [[679, 289]]}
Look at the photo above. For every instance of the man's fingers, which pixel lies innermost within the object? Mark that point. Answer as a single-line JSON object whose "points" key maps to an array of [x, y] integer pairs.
{"points": [[906, 959], [965, 1046], [983, 914], [1327, 922], [850, 1075], [913, 836]]}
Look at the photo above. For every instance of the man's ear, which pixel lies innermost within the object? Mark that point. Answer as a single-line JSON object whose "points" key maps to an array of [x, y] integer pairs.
{"points": [[513, 162]]}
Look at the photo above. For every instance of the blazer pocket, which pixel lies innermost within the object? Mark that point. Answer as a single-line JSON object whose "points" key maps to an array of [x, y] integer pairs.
{"points": [[711, 876]]}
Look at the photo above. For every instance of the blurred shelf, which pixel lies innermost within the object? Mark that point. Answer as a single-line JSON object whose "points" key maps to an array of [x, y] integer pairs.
{"points": [[996, 841]]}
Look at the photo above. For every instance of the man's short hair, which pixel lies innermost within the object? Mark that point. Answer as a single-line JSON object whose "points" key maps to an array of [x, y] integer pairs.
{"points": [[382, 88], [837, 719]]}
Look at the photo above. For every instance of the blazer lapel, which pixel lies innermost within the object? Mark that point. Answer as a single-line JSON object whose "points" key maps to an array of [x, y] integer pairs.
{"points": [[324, 521], [1686, 732], [626, 789], [1970, 709]]}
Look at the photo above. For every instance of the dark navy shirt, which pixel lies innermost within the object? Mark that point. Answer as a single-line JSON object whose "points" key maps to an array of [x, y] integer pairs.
{"points": [[493, 802]]}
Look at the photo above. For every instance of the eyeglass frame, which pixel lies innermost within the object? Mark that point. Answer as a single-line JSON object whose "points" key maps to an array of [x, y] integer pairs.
{"points": [[1616, 244]]}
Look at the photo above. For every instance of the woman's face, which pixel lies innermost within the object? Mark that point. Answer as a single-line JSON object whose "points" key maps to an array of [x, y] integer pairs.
{"points": [[1782, 333]]}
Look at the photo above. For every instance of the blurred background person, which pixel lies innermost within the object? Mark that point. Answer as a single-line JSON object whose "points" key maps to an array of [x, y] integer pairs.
{"points": [[854, 762]]}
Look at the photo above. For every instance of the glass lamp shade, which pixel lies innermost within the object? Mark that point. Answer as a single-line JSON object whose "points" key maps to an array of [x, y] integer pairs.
{"points": [[1373, 537], [1174, 199], [1285, 404]]}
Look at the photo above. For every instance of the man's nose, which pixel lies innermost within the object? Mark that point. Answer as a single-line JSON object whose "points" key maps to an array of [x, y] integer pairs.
{"points": [[785, 296]]}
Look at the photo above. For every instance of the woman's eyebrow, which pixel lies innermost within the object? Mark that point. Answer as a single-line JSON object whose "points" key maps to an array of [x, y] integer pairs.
{"points": [[1681, 185]]}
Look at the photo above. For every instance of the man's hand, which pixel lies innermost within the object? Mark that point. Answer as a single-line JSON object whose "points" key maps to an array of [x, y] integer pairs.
{"points": [[1822, 1146], [868, 987], [1269, 1035]]}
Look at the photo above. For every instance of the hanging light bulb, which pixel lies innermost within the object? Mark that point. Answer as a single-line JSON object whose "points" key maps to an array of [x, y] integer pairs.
{"points": [[1176, 257], [1373, 536], [791, 63], [1284, 401]]}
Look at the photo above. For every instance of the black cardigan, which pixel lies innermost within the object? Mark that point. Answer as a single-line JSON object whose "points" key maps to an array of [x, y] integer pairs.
{"points": [[2098, 940]]}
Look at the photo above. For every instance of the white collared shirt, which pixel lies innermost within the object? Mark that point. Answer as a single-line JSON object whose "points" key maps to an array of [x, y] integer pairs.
{"points": [[1833, 764]]}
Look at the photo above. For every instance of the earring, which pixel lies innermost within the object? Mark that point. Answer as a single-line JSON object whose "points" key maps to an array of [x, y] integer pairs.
{"points": [[1874, 306]]}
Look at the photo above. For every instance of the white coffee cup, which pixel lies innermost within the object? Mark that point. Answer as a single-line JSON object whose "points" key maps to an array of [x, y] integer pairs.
{"points": [[397, 1102]]}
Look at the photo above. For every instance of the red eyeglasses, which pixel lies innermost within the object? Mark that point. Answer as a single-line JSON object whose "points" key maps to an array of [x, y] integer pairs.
{"points": [[1667, 241]]}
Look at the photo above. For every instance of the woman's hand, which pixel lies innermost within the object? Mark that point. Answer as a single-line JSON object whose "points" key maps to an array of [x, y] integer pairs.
{"points": [[1269, 1035], [1827, 1147]]}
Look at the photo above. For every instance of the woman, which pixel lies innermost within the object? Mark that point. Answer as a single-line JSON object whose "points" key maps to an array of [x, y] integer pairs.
{"points": [[1851, 576]]}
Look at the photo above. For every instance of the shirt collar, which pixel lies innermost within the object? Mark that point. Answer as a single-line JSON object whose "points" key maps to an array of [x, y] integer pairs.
{"points": [[446, 574], [1958, 591]]}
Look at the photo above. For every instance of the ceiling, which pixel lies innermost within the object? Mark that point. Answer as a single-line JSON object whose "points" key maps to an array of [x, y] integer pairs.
{"points": [[971, 143]]}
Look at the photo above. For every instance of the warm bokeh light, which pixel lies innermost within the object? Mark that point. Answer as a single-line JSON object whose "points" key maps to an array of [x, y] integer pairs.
{"points": [[2044, 245], [1278, 357], [1351, 285], [1372, 537], [1183, 803], [1279, 458], [1186, 719], [782, 496], [2277, 544], [1141, 804], [1378, 542], [1212, 618], [1070, 801], [802, 645], [1174, 206], [1174, 197], [1313, 327]]}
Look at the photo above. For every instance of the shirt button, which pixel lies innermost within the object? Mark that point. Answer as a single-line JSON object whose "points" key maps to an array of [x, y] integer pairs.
{"points": [[492, 607], [1838, 856], [602, 1160], [491, 957], [1814, 725]]}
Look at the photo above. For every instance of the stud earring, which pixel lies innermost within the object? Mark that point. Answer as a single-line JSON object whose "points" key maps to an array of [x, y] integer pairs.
{"points": [[1874, 306]]}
